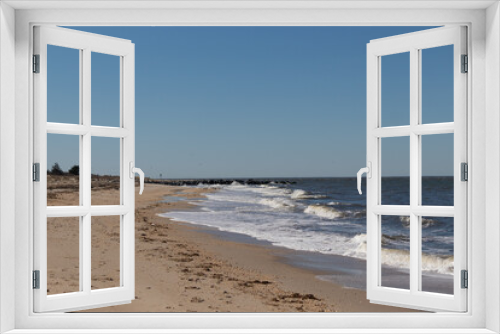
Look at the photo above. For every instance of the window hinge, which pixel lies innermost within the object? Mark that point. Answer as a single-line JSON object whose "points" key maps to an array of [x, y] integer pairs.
{"points": [[464, 170], [36, 279], [465, 279], [36, 63], [36, 172], [465, 64]]}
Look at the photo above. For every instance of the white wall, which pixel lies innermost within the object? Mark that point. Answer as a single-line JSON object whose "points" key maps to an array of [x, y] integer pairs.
{"points": [[7, 163], [492, 164], [480, 123]]}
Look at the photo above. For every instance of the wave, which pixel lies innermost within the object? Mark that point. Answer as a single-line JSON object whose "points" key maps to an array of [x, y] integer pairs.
{"points": [[296, 225], [399, 258], [324, 211], [437, 263], [267, 190], [302, 194], [207, 186], [352, 214], [426, 222], [346, 204], [359, 214], [277, 203], [299, 194], [358, 246], [395, 239], [431, 263]]}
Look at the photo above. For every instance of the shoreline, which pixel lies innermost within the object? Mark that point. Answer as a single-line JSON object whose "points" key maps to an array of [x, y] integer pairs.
{"points": [[202, 271], [346, 268], [182, 267], [314, 262]]}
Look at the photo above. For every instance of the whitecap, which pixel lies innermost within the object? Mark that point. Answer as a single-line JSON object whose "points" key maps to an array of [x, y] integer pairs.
{"points": [[277, 203], [399, 258], [426, 222], [302, 194], [324, 211], [299, 194]]}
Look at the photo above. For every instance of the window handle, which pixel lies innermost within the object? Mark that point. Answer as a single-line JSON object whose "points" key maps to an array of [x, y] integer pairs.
{"points": [[368, 171], [139, 171]]}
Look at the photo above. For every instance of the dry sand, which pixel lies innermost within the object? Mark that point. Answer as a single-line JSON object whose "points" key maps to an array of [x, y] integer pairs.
{"points": [[182, 268]]}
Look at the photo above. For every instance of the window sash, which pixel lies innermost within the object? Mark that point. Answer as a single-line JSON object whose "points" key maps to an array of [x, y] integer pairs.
{"points": [[86, 298], [413, 43]]}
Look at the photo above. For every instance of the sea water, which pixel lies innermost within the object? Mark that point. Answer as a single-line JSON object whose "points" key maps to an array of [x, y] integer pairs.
{"points": [[327, 216]]}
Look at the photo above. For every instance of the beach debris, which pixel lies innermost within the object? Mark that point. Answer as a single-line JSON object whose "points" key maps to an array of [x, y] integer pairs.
{"points": [[252, 283], [297, 295]]}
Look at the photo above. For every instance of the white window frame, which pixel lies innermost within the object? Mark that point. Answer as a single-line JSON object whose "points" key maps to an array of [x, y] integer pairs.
{"points": [[414, 43], [86, 44], [482, 19]]}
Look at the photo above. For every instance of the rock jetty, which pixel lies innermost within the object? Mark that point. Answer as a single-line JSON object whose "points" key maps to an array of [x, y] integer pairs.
{"points": [[195, 182]]}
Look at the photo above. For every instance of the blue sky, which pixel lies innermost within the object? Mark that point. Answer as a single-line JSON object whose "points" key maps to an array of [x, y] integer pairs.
{"points": [[251, 101]]}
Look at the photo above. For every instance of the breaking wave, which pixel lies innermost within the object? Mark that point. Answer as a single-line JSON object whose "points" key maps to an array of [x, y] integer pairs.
{"points": [[399, 258], [299, 220], [277, 203], [324, 211], [302, 194], [426, 222]]}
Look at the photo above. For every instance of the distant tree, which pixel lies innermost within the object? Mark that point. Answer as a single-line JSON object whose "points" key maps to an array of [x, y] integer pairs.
{"points": [[75, 170], [56, 170]]}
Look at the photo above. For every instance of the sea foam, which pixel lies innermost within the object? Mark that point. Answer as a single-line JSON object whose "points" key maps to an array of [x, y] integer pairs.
{"points": [[279, 216], [426, 222], [400, 258], [324, 211], [302, 194], [277, 203]]}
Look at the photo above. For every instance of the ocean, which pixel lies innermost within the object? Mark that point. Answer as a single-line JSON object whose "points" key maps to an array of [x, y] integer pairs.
{"points": [[324, 221]]}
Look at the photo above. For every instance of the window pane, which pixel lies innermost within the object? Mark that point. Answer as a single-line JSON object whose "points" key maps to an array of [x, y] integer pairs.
{"points": [[105, 252], [395, 90], [63, 174], [63, 85], [437, 254], [395, 171], [395, 252], [105, 90], [437, 84], [437, 170], [63, 255], [105, 171]]}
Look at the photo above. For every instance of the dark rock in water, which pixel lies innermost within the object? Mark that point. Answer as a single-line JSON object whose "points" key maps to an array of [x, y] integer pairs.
{"points": [[196, 182]]}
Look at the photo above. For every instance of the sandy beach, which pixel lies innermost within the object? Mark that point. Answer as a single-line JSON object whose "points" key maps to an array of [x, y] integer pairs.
{"points": [[182, 267]]}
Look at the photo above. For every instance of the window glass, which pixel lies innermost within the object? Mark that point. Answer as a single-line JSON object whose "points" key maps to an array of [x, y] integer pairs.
{"points": [[63, 85], [106, 171], [395, 90], [395, 170], [105, 252], [105, 90], [63, 171], [437, 71], [63, 255], [395, 252], [437, 254], [437, 170]]}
